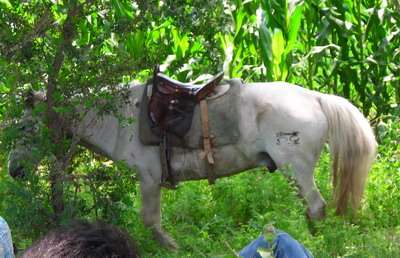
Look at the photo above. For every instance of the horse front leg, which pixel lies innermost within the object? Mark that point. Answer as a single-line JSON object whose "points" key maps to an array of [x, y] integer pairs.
{"points": [[151, 213]]}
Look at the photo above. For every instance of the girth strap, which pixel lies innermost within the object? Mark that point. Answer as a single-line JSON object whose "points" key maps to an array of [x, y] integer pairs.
{"points": [[205, 128]]}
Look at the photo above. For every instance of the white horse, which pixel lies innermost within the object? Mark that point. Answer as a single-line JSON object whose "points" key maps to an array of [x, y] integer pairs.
{"points": [[280, 125]]}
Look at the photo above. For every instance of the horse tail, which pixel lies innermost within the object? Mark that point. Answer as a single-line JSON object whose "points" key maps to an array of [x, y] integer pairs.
{"points": [[352, 149]]}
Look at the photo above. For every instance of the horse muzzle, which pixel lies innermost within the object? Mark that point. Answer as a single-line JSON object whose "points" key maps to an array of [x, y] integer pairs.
{"points": [[17, 172]]}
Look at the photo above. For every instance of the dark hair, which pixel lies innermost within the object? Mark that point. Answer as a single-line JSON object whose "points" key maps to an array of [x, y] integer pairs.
{"points": [[83, 239]]}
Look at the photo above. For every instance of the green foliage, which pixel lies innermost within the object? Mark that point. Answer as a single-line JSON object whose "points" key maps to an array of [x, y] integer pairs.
{"points": [[94, 191], [102, 190], [278, 35]]}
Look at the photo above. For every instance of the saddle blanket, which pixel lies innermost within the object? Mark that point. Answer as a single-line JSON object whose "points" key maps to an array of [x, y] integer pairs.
{"points": [[222, 114]]}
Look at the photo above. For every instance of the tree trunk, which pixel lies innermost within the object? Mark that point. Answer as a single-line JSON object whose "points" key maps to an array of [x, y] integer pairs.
{"points": [[57, 191]]}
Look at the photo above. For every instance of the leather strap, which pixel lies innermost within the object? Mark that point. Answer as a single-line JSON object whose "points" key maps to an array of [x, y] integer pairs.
{"points": [[205, 128], [167, 176]]}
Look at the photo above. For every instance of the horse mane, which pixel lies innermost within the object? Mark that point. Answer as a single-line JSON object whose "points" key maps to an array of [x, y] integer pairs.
{"points": [[83, 239]]}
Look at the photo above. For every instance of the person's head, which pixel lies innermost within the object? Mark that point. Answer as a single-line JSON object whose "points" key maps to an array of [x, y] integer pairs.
{"points": [[83, 239]]}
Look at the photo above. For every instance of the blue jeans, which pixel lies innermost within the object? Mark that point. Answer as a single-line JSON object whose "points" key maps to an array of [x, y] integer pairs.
{"points": [[6, 247], [284, 246]]}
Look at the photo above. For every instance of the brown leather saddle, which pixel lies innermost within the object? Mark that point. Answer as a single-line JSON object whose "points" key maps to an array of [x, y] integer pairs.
{"points": [[171, 109], [172, 103]]}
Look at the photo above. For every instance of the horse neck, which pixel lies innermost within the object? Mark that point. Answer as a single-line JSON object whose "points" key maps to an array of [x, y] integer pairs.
{"points": [[101, 134]]}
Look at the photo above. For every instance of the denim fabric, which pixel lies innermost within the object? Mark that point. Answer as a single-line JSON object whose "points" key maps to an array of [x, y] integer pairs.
{"points": [[6, 247], [250, 251], [284, 247]]}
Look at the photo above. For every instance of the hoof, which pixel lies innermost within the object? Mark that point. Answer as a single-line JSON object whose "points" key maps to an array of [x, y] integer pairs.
{"points": [[163, 239]]}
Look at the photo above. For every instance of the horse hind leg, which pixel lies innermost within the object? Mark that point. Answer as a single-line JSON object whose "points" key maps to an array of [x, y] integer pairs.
{"points": [[301, 173]]}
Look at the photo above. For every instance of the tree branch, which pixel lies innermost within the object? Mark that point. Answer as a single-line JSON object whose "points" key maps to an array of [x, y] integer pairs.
{"points": [[55, 124], [37, 31]]}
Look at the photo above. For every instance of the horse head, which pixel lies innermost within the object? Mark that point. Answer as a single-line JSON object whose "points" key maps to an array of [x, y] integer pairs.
{"points": [[24, 156]]}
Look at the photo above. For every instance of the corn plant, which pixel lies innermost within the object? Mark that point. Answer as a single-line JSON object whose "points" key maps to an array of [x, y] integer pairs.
{"points": [[348, 48]]}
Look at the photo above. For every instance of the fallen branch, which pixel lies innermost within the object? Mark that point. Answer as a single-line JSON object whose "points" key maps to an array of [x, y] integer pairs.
{"points": [[230, 249]]}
